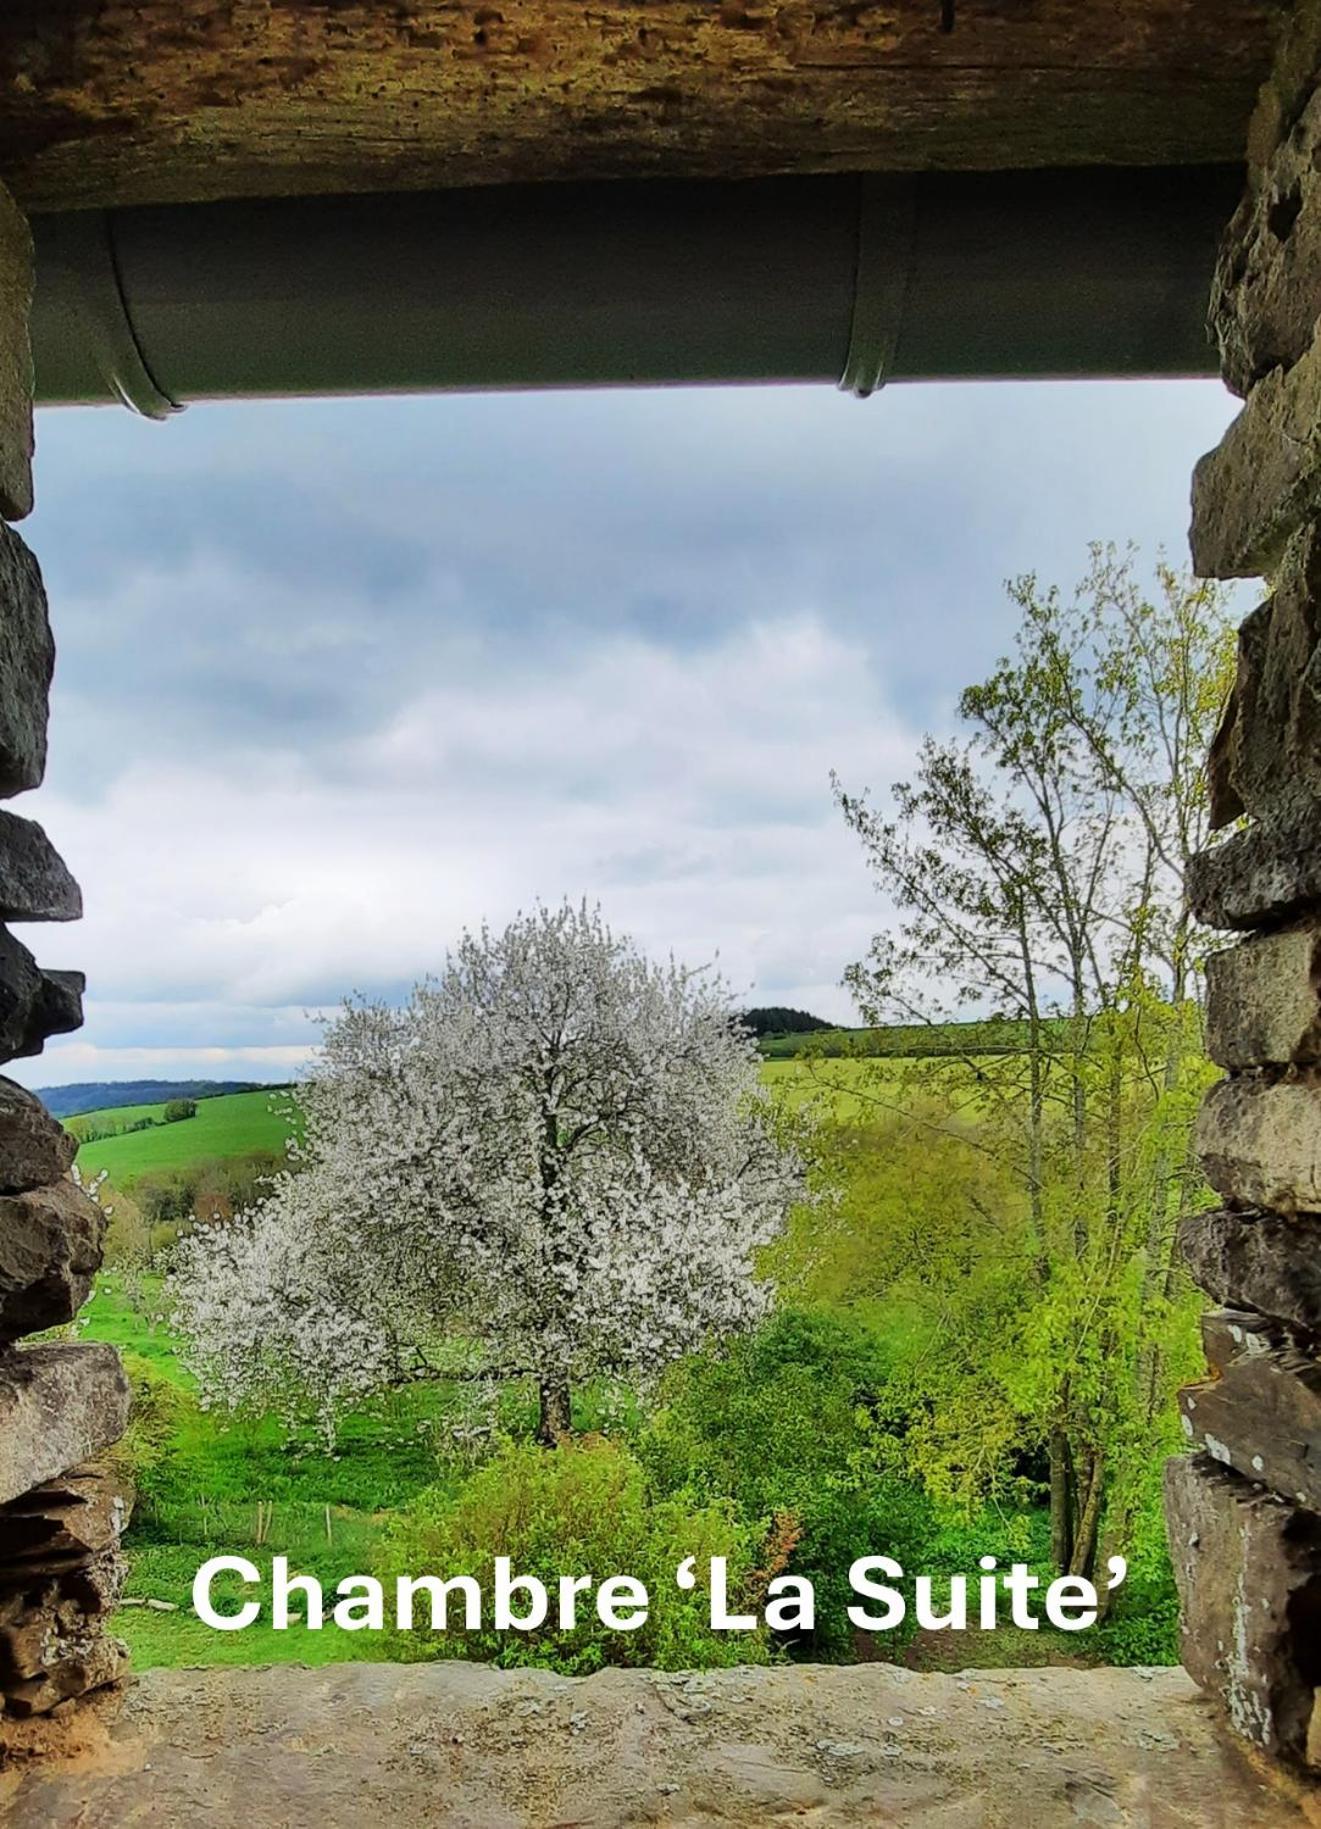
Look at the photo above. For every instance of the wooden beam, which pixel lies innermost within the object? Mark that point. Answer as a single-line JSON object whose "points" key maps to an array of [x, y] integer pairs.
{"points": [[144, 101]]}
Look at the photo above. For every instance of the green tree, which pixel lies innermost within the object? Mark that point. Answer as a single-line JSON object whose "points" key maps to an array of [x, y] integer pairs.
{"points": [[1035, 864]]}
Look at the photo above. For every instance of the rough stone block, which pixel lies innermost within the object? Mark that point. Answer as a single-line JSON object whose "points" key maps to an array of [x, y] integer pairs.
{"points": [[63, 1524], [1263, 480], [1266, 294], [1224, 769], [96, 1585], [1290, 83], [1263, 1000], [35, 883], [1259, 1141], [1261, 877], [35, 1149], [60, 1008], [27, 661], [53, 1641], [1262, 1417], [80, 1662], [1257, 1260], [60, 1405], [1267, 752], [1237, 1333], [50, 1250], [34, 1004], [1248, 1569], [15, 361], [1223, 803]]}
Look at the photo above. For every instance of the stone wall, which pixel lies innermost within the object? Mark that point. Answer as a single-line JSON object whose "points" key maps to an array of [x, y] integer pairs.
{"points": [[1245, 1510], [61, 1404]]}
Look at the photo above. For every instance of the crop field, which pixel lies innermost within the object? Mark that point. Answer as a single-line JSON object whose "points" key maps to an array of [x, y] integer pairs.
{"points": [[838, 1088]]}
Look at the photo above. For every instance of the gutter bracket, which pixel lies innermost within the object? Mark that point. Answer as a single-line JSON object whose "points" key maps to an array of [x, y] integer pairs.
{"points": [[84, 244], [886, 220]]}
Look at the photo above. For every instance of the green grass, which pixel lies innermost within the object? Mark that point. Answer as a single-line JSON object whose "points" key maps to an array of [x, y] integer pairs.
{"points": [[235, 1124], [107, 1316], [839, 1089], [226, 1485], [239, 1486], [248, 1487], [165, 1571], [242, 1123]]}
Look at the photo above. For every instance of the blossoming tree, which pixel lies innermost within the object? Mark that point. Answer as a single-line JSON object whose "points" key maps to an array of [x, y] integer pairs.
{"points": [[558, 1152]]}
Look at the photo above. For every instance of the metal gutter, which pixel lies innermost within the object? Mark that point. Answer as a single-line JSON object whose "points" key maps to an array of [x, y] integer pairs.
{"points": [[851, 279]]}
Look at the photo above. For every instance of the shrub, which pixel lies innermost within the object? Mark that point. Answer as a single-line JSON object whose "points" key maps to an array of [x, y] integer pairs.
{"points": [[210, 1188], [1142, 1626], [178, 1109], [128, 1241], [796, 1420], [581, 1509], [159, 1405]]}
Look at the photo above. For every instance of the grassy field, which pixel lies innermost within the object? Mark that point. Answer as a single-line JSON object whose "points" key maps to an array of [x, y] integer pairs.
{"points": [[239, 1123], [241, 1487], [211, 1483], [246, 1487], [233, 1125], [830, 1082]]}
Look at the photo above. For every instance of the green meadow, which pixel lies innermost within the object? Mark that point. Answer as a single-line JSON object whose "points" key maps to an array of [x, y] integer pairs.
{"points": [[211, 1484], [833, 1428], [244, 1123], [235, 1124], [248, 1123]]}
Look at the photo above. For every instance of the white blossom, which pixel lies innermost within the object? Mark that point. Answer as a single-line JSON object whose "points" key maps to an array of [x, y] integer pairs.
{"points": [[556, 1159]]}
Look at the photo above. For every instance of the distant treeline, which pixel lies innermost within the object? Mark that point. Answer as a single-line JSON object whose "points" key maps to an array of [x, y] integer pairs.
{"points": [[91, 1127], [106, 1095], [775, 1019], [901, 1041]]}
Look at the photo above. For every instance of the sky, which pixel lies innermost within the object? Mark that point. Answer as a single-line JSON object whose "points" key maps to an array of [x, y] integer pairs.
{"points": [[338, 678]]}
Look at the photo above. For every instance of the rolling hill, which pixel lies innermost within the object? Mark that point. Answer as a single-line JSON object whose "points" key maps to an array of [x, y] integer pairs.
{"points": [[234, 1124], [107, 1095]]}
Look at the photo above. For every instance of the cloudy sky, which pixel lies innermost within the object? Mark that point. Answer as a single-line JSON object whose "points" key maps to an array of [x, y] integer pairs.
{"points": [[338, 678]]}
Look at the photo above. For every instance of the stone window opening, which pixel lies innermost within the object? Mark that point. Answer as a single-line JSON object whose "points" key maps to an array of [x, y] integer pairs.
{"points": [[1244, 1506]]}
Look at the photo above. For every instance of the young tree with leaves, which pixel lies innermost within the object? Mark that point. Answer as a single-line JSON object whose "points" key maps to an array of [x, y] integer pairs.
{"points": [[558, 1152], [1036, 865]]}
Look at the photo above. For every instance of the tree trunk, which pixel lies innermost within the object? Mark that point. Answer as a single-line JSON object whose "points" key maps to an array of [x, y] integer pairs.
{"points": [[555, 1420], [1061, 1502], [1083, 1560], [1118, 1540]]}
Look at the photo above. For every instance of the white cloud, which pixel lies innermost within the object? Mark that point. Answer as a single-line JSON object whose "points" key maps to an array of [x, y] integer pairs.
{"points": [[687, 790], [337, 678]]}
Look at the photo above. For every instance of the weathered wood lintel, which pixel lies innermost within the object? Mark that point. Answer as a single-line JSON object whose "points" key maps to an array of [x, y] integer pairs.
{"points": [[141, 101]]}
